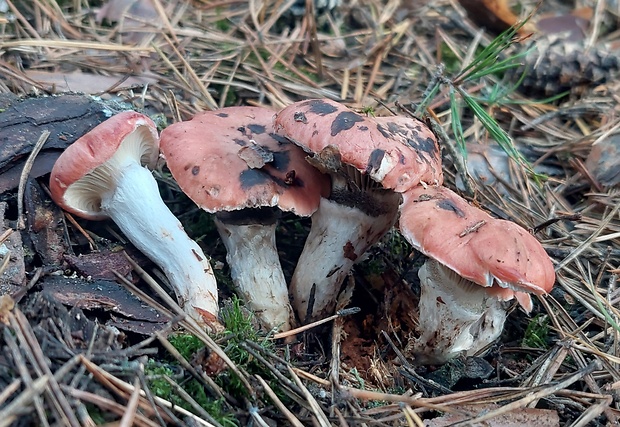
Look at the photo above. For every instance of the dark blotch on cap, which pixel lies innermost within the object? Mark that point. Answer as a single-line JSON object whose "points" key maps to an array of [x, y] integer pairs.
{"points": [[425, 145], [322, 108], [251, 177], [281, 139], [384, 131], [240, 142], [363, 128], [394, 127], [448, 205], [257, 129], [345, 121], [393, 130], [222, 114], [375, 159], [281, 160], [195, 170]]}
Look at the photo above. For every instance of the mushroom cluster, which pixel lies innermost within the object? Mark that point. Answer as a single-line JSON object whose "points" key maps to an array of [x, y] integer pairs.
{"points": [[356, 176], [370, 162], [465, 245]]}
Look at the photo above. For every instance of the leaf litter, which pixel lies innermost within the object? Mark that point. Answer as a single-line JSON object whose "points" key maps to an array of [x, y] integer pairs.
{"points": [[173, 59]]}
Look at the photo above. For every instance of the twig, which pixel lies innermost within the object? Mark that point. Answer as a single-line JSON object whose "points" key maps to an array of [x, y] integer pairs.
{"points": [[9, 414], [21, 222], [190, 324], [521, 403], [318, 413], [340, 313], [276, 400]]}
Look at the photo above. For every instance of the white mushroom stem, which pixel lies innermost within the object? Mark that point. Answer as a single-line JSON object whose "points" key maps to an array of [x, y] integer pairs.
{"points": [[256, 271], [137, 208], [338, 238], [456, 316]]}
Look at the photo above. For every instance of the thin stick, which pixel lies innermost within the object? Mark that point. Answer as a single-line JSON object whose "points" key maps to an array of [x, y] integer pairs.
{"points": [[5, 235], [132, 406], [303, 328], [190, 324], [21, 223], [276, 400]]}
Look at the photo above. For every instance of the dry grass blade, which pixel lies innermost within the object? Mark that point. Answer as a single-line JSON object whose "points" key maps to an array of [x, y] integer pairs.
{"points": [[112, 406], [25, 375], [119, 386], [318, 415], [586, 243], [28, 340], [173, 59], [9, 390], [132, 406], [542, 392], [190, 324], [292, 419], [593, 412]]}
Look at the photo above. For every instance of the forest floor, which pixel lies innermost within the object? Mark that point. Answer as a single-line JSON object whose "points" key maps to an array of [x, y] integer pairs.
{"points": [[82, 346]]}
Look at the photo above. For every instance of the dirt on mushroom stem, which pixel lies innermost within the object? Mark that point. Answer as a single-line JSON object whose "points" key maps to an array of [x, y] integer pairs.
{"points": [[358, 212]]}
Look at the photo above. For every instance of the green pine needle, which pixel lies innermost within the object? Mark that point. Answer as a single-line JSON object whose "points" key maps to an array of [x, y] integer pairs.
{"points": [[457, 128]]}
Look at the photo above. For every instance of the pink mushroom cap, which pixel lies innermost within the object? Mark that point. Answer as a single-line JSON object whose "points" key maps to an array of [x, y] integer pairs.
{"points": [[230, 159], [491, 252], [398, 152], [94, 149]]}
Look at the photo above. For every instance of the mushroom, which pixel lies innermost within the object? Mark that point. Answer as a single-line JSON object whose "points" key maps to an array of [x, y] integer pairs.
{"points": [[230, 162], [104, 175], [456, 316], [468, 247], [370, 161]]}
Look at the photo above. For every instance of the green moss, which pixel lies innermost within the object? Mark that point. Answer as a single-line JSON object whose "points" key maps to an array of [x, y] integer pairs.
{"points": [[223, 24], [96, 414], [537, 333], [186, 344], [156, 375], [369, 111], [240, 329]]}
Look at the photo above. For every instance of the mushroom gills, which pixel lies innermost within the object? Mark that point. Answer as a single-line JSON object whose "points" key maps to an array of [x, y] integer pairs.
{"points": [[86, 194]]}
